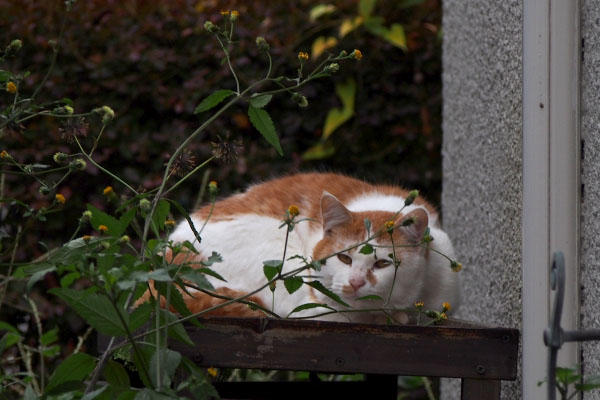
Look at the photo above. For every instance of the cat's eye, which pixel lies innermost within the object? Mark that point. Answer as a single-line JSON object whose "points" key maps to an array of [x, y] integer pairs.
{"points": [[381, 264], [346, 259]]}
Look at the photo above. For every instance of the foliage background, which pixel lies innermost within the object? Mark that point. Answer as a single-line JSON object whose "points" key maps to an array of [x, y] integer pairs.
{"points": [[153, 62]]}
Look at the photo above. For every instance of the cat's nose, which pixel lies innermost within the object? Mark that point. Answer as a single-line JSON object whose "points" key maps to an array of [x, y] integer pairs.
{"points": [[357, 283]]}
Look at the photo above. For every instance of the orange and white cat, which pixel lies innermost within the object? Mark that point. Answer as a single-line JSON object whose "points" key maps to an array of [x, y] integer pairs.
{"points": [[245, 229]]}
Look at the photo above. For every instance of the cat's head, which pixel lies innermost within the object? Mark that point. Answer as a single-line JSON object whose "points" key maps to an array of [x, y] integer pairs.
{"points": [[352, 274]]}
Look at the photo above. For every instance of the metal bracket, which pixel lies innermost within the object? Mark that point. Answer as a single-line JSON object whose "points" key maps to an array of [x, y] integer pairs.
{"points": [[554, 335]]}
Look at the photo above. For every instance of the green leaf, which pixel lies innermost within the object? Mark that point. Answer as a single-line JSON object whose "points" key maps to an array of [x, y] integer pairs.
{"points": [[589, 383], [308, 306], [94, 394], [140, 316], [261, 100], [410, 3], [396, 36], [567, 375], [116, 375], [116, 227], [213, 100], [177, 331], [319, 151], [366, 249], [69, 278], [149, 394], [346, 91], [51, 351], [175, 297], [38, 276], [95, 309], [186, 215], [271, 268], [319, 286], [261, 120], [367, 222], [370, 297], [4, 75], [365, 8], [4, 326], [161, 214], [49, 337], [198, 278], [168, 361], [30, 393], [320, 10], [212, 273], [74, 368], [214, 258], [293, 283]]}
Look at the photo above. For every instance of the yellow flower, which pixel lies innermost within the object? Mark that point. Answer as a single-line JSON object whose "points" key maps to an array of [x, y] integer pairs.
{"points": [[419, 304], [455, 266], [11, 87], [60, 198], [303, 56], [293, 210], [4, 154], [446, 306], [357, 54], [212, 371], [224, 12], [389, 226], [103, 228], [107, 190], [169, 223], [86, 238], [234, 15], [443, 316]]}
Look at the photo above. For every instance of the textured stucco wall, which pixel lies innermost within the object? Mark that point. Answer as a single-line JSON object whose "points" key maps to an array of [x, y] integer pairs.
{"points": [[590, 207], [482, 196]]}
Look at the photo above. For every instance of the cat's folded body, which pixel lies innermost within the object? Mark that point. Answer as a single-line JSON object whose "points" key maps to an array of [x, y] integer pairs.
{"points": [[245, 229]]}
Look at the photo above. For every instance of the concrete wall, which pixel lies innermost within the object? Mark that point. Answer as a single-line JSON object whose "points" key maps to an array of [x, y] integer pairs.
{"points": [[590, 207], [482, 196]]}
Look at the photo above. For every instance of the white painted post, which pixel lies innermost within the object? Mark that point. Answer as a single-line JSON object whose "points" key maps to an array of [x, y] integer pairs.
{"points": [[550, 175]]}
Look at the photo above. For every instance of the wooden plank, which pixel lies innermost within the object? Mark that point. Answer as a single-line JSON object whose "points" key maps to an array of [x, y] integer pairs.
{"points": [[385, 387], [479, 389], [483, 353]]}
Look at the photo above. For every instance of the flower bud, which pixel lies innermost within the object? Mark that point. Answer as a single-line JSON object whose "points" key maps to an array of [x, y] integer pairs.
{"points": [[77, 165], [13, 48], [124, 239], [210, 27], [332, 68], [5, 156], [11, 87], [65, 110], [213, 188], [145, 205], [59, 157], [356, 55], [293, 210], [343, 53], [44, 190], [262, 44], [106, 112], [85, 217], [300, 100], [412, 195], [455, 266]]}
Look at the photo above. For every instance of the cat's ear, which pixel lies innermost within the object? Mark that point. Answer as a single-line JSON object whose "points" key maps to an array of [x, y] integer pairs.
{"points": [[416, 229], [333, 212]]}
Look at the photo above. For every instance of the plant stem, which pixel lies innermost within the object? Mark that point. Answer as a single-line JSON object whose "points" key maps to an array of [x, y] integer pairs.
{"points": [[103, 169]]}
